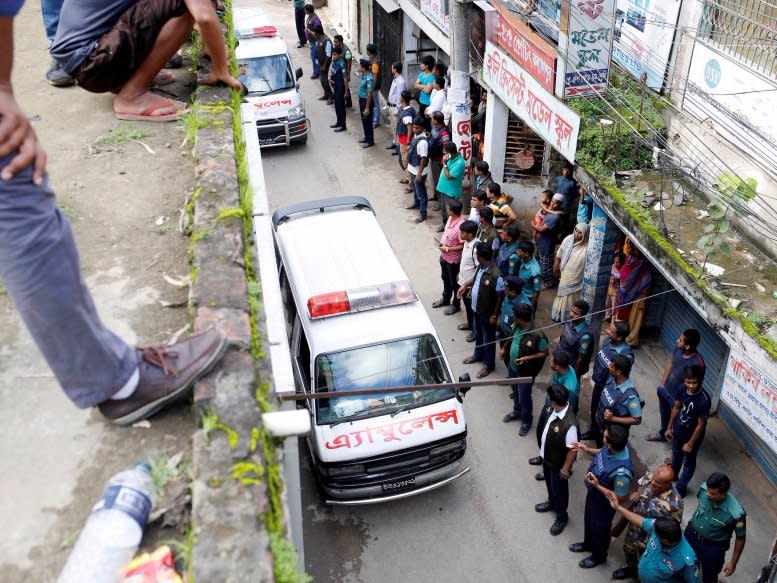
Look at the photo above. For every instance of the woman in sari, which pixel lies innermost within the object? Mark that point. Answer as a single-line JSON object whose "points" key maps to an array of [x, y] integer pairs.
{"points": [[570, 267], [636, 279]]}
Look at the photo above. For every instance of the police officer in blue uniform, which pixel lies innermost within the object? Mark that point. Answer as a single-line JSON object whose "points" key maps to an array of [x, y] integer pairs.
{"points": [[668, 556], [717, 517], [619, 403], [614, 344], [366, 104], [577, 338], [610, 470]]}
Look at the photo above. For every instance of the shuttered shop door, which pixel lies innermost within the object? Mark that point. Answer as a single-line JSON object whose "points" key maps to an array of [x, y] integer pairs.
{"points": [[679, 316], [519, 137]]}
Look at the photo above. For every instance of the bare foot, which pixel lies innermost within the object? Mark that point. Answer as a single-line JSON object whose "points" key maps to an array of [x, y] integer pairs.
{"points": [[215, 78], [148, 106]]}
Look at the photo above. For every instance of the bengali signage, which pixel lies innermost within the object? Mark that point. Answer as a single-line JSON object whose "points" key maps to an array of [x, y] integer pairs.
{"points": [[643, 37], [437, 12], [525, 46], [546, 115], [590, 44], [461, 126], [751, 393]]}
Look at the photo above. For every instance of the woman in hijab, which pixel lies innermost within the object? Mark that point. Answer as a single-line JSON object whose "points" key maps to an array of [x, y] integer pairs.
{"points": [[636, 279], [570, 267]]}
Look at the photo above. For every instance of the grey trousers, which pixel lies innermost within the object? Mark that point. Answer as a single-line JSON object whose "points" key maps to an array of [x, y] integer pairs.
{"points": [[39, 268]]}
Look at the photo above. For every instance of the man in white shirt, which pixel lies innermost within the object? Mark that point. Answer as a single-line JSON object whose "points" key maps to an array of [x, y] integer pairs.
{"points": [[558, 454], [438, 97], [468, 231], [398, 85]]}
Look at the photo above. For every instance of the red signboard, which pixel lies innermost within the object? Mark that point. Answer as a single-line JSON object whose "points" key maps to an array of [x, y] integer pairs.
{"points": [[516, 39]]}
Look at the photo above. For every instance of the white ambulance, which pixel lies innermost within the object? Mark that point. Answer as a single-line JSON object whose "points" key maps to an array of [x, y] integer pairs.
{"points": [[265, 69], [355, 322]]}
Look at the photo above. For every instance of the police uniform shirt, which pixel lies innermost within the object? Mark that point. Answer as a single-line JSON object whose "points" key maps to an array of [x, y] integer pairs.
{"points": [[586, 340], [621, 477], [660, 563], [515, 346], [366, 85], [506, 313], [530, 272], [568, 380], [632, 403], [716, 522]]}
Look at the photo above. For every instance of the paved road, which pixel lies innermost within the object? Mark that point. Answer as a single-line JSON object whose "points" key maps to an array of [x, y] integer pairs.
{"points": [[482, 526]]}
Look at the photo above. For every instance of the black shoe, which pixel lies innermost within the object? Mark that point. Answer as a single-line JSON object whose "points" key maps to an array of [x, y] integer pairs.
{"points": [[363, 141], [440, 229], [420, 219], [391, 147], [300, 45], [323, 98], [589, 563], [314, 76], [543, 507], [57, 76], [624, 573], [510, 417], [470, 337], [335, 125], [539, 476], [337, 130], [558, 527], [440, 303], [413, 207], [463, 326], [395, 153], [451, 310], [368, 145], [524, 430], [578, 547], [330, 101], [536, 461]]}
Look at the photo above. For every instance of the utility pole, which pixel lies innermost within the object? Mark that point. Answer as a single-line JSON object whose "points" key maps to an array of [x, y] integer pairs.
{"points": [[458, 93]]}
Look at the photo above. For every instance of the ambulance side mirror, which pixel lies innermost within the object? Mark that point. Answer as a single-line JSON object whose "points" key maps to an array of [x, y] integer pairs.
{"points": [[460, 392], [298, 73], [287, 423]]}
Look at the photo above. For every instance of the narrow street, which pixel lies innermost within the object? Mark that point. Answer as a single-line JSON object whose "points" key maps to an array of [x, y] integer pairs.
{"points": [[483, 526]]}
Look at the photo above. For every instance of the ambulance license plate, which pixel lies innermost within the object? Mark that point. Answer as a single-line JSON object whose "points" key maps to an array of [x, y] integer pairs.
{"points": [[399, 484]]}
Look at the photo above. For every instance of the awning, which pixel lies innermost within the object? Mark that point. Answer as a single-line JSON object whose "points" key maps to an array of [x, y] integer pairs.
{"points": [[389, 5]]}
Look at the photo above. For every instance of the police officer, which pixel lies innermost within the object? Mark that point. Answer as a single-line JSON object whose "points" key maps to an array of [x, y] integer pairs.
{"points": [[668, 555], [717, 516], [620, 402], [610, 470], [337, 73], [558, 436], [484, 305], [614, 344], [366, 104], [324, 57], [577, 339]]}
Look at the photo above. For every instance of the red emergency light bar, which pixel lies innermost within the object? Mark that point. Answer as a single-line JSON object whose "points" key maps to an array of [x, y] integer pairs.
{"points": [[257, 31], [361, 299]]}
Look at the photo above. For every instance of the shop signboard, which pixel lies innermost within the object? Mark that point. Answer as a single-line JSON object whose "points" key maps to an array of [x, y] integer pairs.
{"points": [[590, 44], [528, 50], [744, 93], [437, 12], [540, 110], [751, 393], [643, 37]]}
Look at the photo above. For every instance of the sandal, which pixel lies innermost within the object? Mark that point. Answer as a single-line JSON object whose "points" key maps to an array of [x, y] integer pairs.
{"points": [[404, 181], [655, 436]]}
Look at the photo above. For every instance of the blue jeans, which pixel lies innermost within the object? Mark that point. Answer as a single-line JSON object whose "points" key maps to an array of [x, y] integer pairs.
{"points": [[684, 464], [523, 405], [376, 111], [39, 267], [314, 58], [50, 10], [420, 196], [665, 403]]}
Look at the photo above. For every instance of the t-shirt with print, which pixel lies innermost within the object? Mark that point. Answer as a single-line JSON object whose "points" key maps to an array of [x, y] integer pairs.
{"points": [[692, 408]]}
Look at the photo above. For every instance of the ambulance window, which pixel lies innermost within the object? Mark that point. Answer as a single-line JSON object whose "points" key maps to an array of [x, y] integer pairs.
{"points": [[303, 355], [289, 306]]}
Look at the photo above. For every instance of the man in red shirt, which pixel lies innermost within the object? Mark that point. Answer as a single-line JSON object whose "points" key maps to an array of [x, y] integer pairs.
{"points": [[451, 245]]}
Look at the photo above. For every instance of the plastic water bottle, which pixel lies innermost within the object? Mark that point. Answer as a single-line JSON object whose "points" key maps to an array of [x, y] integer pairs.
{"points": [[113, 530]]}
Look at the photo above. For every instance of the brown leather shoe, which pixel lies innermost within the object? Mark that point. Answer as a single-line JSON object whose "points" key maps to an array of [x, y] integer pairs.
{"points": [[166, 373]]}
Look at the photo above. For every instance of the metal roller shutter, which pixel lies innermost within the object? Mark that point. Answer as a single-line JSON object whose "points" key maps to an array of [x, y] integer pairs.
{"points": [[519, 136], [679, 316]]}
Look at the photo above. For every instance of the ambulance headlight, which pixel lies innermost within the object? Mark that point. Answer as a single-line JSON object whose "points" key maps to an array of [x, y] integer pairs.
{"points": [[298, 111]]}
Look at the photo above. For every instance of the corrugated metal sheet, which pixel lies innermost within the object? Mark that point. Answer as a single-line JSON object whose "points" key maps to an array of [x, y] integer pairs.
{"points": [[679, 316], [751, 443]]}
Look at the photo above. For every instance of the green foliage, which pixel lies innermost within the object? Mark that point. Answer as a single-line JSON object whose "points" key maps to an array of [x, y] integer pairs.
{"points": [[285, 556], [248, 473], [183, 548], [121, 134], [163, 471], [210, 422], [732, 186]]}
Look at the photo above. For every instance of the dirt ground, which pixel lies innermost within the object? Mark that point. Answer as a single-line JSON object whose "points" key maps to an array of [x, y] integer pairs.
{"points": [[122, 186]]}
